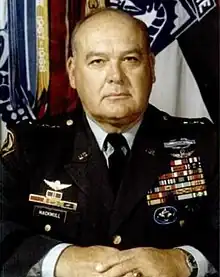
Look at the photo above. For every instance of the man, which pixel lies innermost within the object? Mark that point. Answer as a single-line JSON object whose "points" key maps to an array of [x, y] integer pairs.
{"points": [[118, 189]]}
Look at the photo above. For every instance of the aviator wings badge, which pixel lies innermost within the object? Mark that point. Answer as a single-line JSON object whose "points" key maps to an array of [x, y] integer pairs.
{"points": [[57, 185]]}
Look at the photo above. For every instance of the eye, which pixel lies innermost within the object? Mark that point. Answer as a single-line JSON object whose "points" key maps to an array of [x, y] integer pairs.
{"points": [[97, 62], [131, 59]]}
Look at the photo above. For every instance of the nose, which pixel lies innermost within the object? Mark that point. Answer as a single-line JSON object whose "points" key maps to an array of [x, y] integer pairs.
{"points": [[115, 73]]}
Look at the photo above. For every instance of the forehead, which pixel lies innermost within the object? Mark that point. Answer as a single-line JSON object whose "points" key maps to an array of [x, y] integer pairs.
{"points": [[112, 32]]}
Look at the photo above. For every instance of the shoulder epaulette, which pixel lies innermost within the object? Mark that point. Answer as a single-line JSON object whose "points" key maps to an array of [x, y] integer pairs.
{"points": [[58, 121], [186, 121], [55, 124], [32, 128]]}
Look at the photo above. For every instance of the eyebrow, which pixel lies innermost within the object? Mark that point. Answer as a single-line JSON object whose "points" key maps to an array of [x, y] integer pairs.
{"points": [[103, 54], [94, 53]]}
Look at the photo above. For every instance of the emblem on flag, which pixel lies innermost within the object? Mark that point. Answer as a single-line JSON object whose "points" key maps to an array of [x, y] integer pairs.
{"points": [[166, 20]]}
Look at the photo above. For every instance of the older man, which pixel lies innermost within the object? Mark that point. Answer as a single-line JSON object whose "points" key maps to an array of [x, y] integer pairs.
{"points": [[118, 188]]}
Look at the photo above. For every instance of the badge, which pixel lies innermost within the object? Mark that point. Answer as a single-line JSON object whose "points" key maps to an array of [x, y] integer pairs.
{"points": [[56, 185], [9, 144], [165, 215], [150, 151], [83, 156], [53, 198], [181, 148]]}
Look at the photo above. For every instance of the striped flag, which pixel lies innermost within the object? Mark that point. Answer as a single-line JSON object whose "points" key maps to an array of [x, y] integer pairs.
{"points": [[14, 94], [42, 37], [63, 17]]}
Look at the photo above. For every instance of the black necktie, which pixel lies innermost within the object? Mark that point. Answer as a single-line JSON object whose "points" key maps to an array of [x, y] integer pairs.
{"points": [[117, 160]]}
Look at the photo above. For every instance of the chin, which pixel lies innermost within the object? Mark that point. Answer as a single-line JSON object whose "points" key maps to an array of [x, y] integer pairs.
{"points": [[117, 112], [120, 113]]}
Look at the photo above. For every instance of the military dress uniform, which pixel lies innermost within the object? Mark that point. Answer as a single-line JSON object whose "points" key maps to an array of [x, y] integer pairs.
{"points": [[55, 188]]}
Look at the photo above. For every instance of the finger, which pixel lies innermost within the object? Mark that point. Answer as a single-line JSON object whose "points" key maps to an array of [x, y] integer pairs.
{"points": [[121, 269], [102, 267], [129, 274], [134, 273], [112, 261]]}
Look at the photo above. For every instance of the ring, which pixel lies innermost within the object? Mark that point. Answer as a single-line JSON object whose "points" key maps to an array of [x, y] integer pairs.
{"points": [[137, 273]]}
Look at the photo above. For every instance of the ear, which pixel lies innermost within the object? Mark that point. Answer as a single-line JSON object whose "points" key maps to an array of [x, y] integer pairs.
{"points": [[70, 67], [152, 66]]}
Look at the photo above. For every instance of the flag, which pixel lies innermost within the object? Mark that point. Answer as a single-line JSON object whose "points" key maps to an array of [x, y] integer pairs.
{"points": [[182, 35], [35, 44], [14, 94], [202, 56], [63, 17]]}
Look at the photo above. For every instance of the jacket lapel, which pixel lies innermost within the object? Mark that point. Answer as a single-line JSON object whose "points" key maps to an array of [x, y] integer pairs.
{"points": [[148, 160], [88, 167], [80, 156]]}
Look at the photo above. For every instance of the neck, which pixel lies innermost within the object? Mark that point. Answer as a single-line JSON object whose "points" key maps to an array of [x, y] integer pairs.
{"points": [[116, 126]]}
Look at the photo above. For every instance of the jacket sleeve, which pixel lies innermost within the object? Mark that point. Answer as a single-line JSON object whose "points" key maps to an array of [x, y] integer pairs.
{"points": [[211, 242], [205, 227], [20, 247]]}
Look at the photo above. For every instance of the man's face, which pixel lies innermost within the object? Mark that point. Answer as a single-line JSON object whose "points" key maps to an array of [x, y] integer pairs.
{"points": [[112, 69]]}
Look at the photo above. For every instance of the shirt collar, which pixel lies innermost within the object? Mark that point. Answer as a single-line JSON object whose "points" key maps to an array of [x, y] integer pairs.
{"points": [[100, 134]]}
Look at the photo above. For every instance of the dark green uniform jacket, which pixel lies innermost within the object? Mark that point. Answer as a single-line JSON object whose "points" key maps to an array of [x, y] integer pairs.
{"points": [[55, 189]]}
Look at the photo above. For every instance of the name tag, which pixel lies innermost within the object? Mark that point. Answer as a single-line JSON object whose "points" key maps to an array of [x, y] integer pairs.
{"points": [[49, 212]]}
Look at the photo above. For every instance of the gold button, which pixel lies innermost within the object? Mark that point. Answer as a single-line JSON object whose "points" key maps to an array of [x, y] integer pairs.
{"points": [[69, 122], [47, 228], [117, 239]]}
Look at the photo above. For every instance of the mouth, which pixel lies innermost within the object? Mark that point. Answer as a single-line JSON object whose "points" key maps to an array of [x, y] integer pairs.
{"points": [[115, 96]]}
